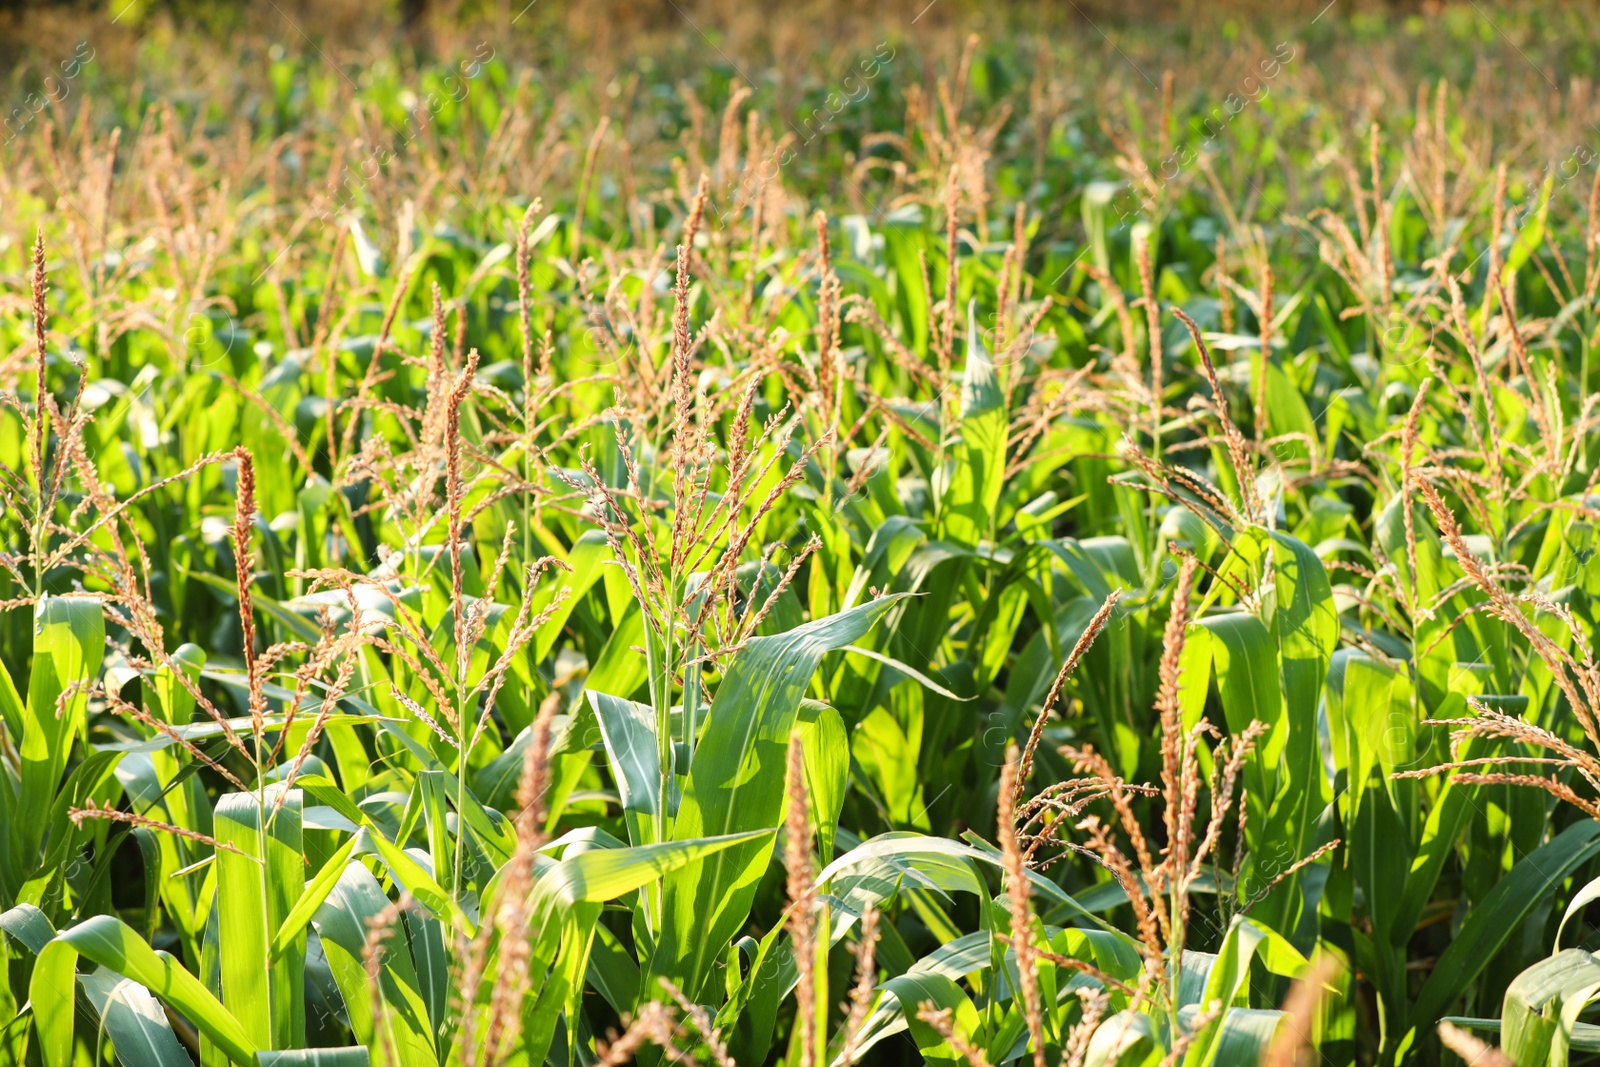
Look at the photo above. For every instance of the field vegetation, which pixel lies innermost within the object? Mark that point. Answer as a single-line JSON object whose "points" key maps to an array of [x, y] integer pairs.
{"points": [[981, 535]]}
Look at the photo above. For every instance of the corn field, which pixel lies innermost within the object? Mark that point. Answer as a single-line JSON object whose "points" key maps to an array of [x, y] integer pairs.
{"points": [[996, 535]]}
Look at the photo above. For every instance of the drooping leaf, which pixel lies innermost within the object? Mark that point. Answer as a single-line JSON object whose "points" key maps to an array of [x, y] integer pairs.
{"points": [[1498, 914], [735, 786], [114, 946], [133, 1020], [343, 923]]}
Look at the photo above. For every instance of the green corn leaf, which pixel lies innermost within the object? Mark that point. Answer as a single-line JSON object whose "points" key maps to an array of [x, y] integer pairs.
{"points": [[1247, 680], [597, 875], [405, 868], [619, 669], [325, 792], [13, 712], [588, 554], [562, 988], [29, 925], [1585, 1036], [910, 672], [877, 868], [826, 750], [1452, 810], [1287, 413], [315, 1057], [114, 946], [1580, 900], [91, 779], [903, 996], [1227, 980], [1529, 236], [1307, 625], [613, 973], [888, 759], [1498, 914], [1572, 1003], [432, 960], [1533, 1027], [706, 901], [495, 834], [134, 1022], [297, 623], [1245, 1035], [173, 704], [628, 731], [69, 636], [258, 881], [969, 512], [310, 899], [414, 877], [51, 990], [342, 923], [912, 302], [1126, 1039], [430, 795]]}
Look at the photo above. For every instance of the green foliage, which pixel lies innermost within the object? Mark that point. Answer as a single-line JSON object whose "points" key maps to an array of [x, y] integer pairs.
{"points": [[414, 594]]}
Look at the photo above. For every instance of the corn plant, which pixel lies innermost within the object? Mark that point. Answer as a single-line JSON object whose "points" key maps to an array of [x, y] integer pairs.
{"points": [[513, 562]]}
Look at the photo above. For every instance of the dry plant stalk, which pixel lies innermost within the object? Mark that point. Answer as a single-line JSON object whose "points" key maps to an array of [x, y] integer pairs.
{"points": [[44, 404], [1482, 381], [243, 523], [379, 929], [1017, 894], [700, 1021], [862, 992], [1080, 647], [653, 1025], [1238, 454], [1161, 913], [1475, 1052], [1408, 445], [98, 550], [111, 813], [1576, 675], [1293, 1047], [512, 980], [1169, 707], [828, 322], [941, 1019], [1094, 1007], [802, 919]]}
